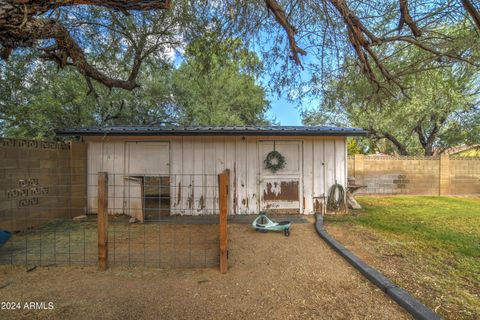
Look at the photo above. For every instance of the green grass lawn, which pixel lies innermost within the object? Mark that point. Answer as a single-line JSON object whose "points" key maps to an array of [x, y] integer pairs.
{"points": [[438, 240]]}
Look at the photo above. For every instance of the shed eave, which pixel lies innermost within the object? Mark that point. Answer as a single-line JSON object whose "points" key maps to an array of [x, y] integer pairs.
{"points": [[270, 131]]}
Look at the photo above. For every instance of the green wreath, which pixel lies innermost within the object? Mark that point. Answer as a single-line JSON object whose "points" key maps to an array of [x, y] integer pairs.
{"points": [[274, 161]]}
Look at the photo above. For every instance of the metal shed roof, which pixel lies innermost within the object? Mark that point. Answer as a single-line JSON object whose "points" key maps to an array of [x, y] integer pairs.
{"points": [[205, 130]]}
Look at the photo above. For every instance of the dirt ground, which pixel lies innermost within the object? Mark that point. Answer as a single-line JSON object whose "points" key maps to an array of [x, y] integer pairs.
{"points": [[270, 277], [163, 245]]}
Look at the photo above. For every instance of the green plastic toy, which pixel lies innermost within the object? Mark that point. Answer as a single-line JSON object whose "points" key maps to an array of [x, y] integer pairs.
{"points": [[264, 224]]}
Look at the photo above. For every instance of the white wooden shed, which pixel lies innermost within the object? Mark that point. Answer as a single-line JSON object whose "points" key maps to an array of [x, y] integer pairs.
{"points": [[191, 157]]}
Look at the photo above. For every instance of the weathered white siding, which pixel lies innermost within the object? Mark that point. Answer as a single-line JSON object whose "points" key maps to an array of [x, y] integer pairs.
{"points": [[282, 190], [315, 163]]}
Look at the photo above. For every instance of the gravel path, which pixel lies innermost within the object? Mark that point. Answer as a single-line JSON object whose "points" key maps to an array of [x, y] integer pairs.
{"points": [[270, 277]]}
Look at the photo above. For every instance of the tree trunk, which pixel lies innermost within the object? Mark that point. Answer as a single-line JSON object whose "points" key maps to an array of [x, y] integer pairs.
{"points": [[474, 14], [402, 149], [282, 19], [20, 26], [405, 17], [427, 143], [427, 140], [428, 150]]}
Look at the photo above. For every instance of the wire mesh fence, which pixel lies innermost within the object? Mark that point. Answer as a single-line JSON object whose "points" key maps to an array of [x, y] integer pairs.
{"points": [[37, 210], [172, 244], [165, 221]]}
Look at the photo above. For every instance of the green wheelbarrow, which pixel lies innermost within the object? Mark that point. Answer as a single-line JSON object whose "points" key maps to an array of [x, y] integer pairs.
{"points": [[264, 224]]}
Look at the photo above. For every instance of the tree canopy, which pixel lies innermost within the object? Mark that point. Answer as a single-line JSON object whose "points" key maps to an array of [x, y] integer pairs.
{"points": [[327, 30], [37, 98], [441, 108], [215, 85], [310, 48]]}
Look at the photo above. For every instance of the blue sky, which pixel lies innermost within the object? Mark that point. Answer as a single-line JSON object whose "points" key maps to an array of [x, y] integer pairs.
{"points": [[282, 110], [285, 112]]}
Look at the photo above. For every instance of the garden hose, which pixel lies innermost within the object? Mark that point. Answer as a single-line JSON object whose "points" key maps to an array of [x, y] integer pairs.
{"points": [[336, 198]]}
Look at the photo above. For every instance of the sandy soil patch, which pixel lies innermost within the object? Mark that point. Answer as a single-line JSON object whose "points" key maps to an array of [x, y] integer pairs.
{"points": [[270, 277]]}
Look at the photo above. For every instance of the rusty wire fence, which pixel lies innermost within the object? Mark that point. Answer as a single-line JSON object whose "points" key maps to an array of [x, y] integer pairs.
{"points": [[38, 207], [165, 221]]}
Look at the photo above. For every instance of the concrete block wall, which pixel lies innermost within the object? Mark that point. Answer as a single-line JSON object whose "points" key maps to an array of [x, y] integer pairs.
{"points": [[40, 181], [78, 178], [407, 175], [464, 175]]}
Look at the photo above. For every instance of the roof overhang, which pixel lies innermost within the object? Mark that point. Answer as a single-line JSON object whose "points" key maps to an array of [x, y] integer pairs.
{"points": [[213, 131]]}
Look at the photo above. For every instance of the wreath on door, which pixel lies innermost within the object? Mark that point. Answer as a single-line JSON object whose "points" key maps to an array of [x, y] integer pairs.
{"points": [[274, 161]]}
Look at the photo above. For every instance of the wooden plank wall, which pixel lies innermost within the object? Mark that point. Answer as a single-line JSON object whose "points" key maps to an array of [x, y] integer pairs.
{"points": [[195, 162], [106, 157]]}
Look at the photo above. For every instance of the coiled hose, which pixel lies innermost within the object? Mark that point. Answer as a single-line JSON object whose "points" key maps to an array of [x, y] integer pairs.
{"points": [[336, 198]]}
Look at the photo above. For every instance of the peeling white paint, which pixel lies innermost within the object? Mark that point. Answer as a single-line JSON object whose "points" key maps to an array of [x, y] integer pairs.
{"points": [[315, 162]]}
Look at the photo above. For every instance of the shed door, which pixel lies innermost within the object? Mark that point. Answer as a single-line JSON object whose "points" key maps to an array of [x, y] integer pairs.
{"points": [[281, 191], [145, 161]]}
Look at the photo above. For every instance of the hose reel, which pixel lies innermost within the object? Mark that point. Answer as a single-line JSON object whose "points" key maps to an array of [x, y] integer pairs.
{"points": [[336, 198]]}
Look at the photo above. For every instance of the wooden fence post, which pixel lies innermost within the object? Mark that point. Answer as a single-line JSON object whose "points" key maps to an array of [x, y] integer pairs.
{"points": [[223, 180], [102, 220]]}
